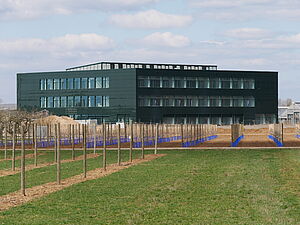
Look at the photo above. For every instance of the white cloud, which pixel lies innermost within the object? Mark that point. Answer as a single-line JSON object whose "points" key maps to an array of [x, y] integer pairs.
{"points": [[150, 19], [293, 39], [166, 39], [247, 9], [69, 42], [28, 9], [248, 33]]}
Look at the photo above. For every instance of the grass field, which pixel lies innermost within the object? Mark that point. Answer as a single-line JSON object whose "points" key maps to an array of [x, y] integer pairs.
{"points": [[184, 187]]}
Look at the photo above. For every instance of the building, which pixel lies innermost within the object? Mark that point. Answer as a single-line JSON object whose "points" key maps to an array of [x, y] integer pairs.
{"points": [[153, 93], [289, 114]]}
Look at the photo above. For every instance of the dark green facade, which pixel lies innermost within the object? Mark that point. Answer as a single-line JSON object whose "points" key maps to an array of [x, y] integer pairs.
{"points": [[130, 100], [122, 93]]}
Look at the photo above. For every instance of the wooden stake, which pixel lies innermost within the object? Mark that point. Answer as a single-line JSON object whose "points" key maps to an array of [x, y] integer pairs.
{"points": [[5, 143], [95, 140], [58, 163], [35, 143], [55, 142], [104, 146], [131, 141], [143, 148], [84, 149], [119, 144], [156, 138], [14, 149], [23, 186], [73, 142]]}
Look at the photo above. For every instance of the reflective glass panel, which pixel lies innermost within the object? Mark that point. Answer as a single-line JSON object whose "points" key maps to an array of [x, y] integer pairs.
{"points": [[77, 83]]}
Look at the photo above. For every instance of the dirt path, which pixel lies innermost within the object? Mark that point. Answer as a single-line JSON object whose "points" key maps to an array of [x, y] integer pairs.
{"points": [[223, 140], [15, 199], [4, 173], [28, 156], [290, 140], [257, 140]]}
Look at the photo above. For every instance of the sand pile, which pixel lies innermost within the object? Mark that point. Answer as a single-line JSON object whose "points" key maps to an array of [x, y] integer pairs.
{"points": [[50, 120]]}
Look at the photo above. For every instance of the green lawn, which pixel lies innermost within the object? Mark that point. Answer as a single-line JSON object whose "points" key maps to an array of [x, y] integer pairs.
{"points": [[184, 187]]}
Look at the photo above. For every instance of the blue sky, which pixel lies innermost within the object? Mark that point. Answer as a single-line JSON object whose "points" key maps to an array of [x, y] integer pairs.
{"points": [[51, 35]]}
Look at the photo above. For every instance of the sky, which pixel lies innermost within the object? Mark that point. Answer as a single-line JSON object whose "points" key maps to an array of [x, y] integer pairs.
{"points": [[52, 35]]}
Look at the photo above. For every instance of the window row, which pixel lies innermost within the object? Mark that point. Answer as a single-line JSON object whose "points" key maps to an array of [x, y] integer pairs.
{"points": [[195, 82], [196, 101], [74, 101], [108, 66], [74, 83]]}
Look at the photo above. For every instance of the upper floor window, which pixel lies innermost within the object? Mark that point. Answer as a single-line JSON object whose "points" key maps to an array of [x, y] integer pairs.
{"points": [[49, 84], [77, 83], [91, 82], [63, 84], [56, 83], [84, 83]]}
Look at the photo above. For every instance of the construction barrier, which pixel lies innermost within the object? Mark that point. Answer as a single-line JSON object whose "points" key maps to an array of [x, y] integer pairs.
{"points": [[237, 134], [276, 134]]}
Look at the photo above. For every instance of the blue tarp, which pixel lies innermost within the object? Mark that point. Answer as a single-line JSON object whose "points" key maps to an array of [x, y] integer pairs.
{"points": [[235, 144], [278, 143]]}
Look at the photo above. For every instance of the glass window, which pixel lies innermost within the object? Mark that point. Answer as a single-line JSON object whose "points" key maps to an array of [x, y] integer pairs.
{"points": [[43, 84], [226, 120], [178, 82], [249, 102], [143, 82], [191, 82], [56, 84], [215, 101], [63, 84], [214, 83], [43, 103], [238, 101], [49, 84], [50, 102], [141, 102], [105, 101], [203, 119], [155, 101], [70, 102], [194, 102], [70, 82], [188, 102], [84, 101], [204, 101], [105, 82], [84, 83], [203, 82], [225, 83], [63, 102], [226, 101], [77, 101], [98, 82], [249, 84], [179, 101], [91, 101], [167, 101], [91, 82], [99, 101], [56, 102], [167, 82], [77, 83], [237, 83], [155, 82]]}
